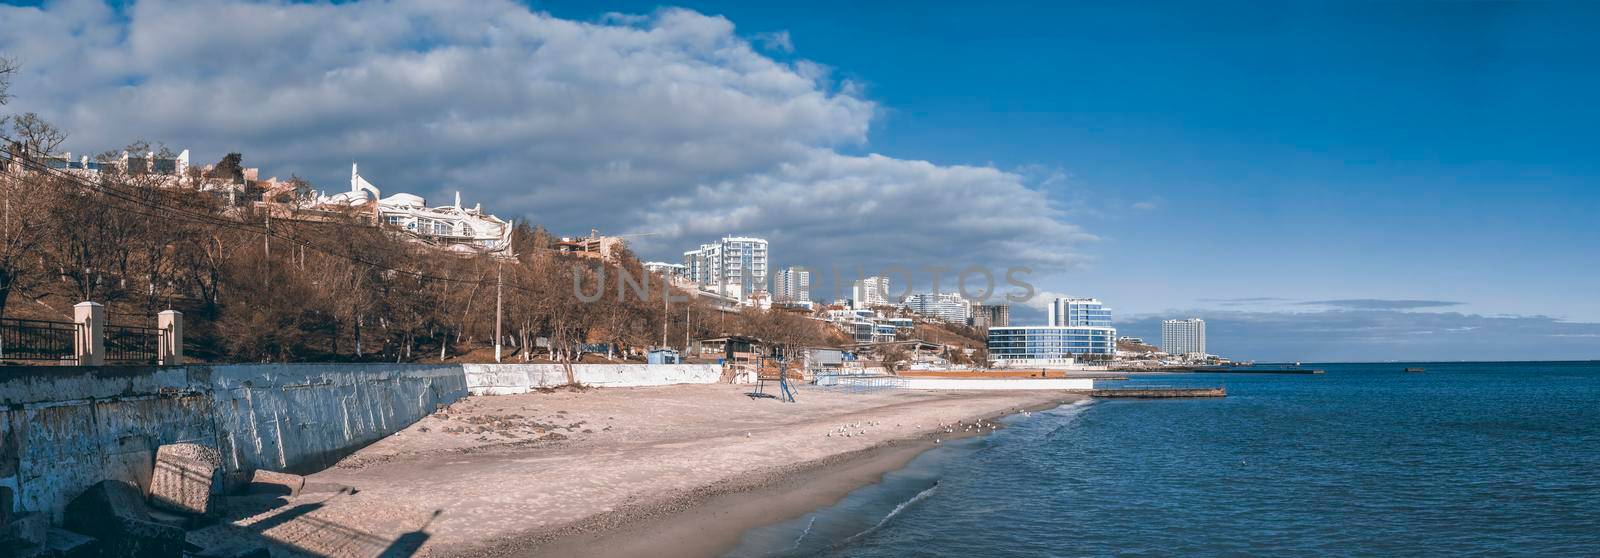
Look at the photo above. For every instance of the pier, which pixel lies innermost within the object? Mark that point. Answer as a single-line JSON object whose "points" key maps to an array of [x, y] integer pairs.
{"points": [[1160, 393]]}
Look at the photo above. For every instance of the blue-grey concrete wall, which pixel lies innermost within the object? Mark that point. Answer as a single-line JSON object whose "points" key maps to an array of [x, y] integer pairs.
{"points": [[63, 429], [305, 417]]}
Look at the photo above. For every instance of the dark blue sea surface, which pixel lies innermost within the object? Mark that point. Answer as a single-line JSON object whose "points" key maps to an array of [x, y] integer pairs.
{"points": [[1464, 459]]}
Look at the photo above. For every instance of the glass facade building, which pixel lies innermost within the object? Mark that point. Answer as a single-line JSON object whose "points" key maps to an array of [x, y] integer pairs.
{"points": [[1024, 346], [1079, 312]]}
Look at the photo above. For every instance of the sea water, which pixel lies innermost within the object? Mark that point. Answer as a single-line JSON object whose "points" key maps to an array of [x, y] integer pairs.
{"points": [[1366, 459]]}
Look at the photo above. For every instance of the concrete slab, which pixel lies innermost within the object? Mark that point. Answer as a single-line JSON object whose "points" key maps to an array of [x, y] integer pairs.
{"points": [[183, 478], [25, 529], [67, 544], [273, 482], [115, 513]]}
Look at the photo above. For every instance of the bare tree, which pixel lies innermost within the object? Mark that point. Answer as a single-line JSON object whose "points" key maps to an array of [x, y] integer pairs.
{"points": [[23, 228], [37, 136], [8, 68]]}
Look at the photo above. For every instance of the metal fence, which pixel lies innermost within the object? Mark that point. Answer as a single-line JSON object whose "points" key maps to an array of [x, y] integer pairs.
{"points": [[132, 344], [860, 382], [38, 340]]}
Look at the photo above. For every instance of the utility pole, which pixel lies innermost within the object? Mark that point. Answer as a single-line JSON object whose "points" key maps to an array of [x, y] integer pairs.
{"points": [[666, 293], [498, 305]]}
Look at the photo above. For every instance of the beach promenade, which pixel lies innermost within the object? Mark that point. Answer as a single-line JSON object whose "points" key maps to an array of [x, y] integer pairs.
{"points": [[591, 472]]}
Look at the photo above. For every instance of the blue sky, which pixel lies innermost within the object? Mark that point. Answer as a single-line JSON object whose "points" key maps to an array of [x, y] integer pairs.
{"points": [[1300, 151], [1382, 180]]}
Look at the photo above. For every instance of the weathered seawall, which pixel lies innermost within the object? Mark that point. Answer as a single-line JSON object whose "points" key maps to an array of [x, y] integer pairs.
{"points": [[63, 429], [509, 379]]}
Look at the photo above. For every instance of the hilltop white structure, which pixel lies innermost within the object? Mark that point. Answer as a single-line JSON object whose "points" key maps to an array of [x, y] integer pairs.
{"points": [[455, 228]]}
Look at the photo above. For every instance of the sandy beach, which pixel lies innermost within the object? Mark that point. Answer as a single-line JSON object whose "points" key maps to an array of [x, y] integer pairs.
{"points": [[665, 471]]}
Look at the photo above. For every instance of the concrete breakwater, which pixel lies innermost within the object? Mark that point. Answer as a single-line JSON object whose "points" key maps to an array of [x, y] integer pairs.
{"points": [[1160, 393], [63, 429]]}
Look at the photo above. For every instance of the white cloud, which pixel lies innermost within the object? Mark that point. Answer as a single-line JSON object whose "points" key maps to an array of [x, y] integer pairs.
{"points": [[667, 122], [776, 41]]}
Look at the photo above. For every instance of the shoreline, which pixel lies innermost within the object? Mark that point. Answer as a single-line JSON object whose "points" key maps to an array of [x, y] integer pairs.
{"points": [[710, 520], [664, 471]]}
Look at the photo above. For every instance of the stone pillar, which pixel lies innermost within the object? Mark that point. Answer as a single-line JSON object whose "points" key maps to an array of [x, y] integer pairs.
{"points": [[90, 343], [170, 350]]}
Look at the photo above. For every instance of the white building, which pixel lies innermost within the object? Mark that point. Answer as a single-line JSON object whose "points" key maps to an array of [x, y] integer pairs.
{"points": [[452, 227], [869, 292], [948, 307], [147, 163], [1184, 337], [734, 266], [668, 269], [1075, 312], [792, 284]]}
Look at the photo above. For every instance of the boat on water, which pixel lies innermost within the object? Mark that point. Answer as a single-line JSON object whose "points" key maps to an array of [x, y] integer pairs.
{"points": [[1415, 369]]}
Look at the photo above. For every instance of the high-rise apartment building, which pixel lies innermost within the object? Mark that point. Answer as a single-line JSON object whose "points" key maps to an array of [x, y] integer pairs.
{"points": [[1074, 312], [869, 292], [990, 315], [1184, 337], [734, 266], [948, 307], [791, 284]]}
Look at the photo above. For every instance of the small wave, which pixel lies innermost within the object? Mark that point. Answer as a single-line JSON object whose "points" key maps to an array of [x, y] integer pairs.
{"points": [[894, 512], [809, 525]]}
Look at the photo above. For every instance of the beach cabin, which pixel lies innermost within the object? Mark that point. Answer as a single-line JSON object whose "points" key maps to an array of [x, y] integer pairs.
{"points": [[736, 348], [824, 360]]}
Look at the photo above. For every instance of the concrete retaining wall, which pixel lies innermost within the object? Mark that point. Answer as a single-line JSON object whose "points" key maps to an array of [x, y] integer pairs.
{"points": [[305, 417], [506, 379], [65, 428]]}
